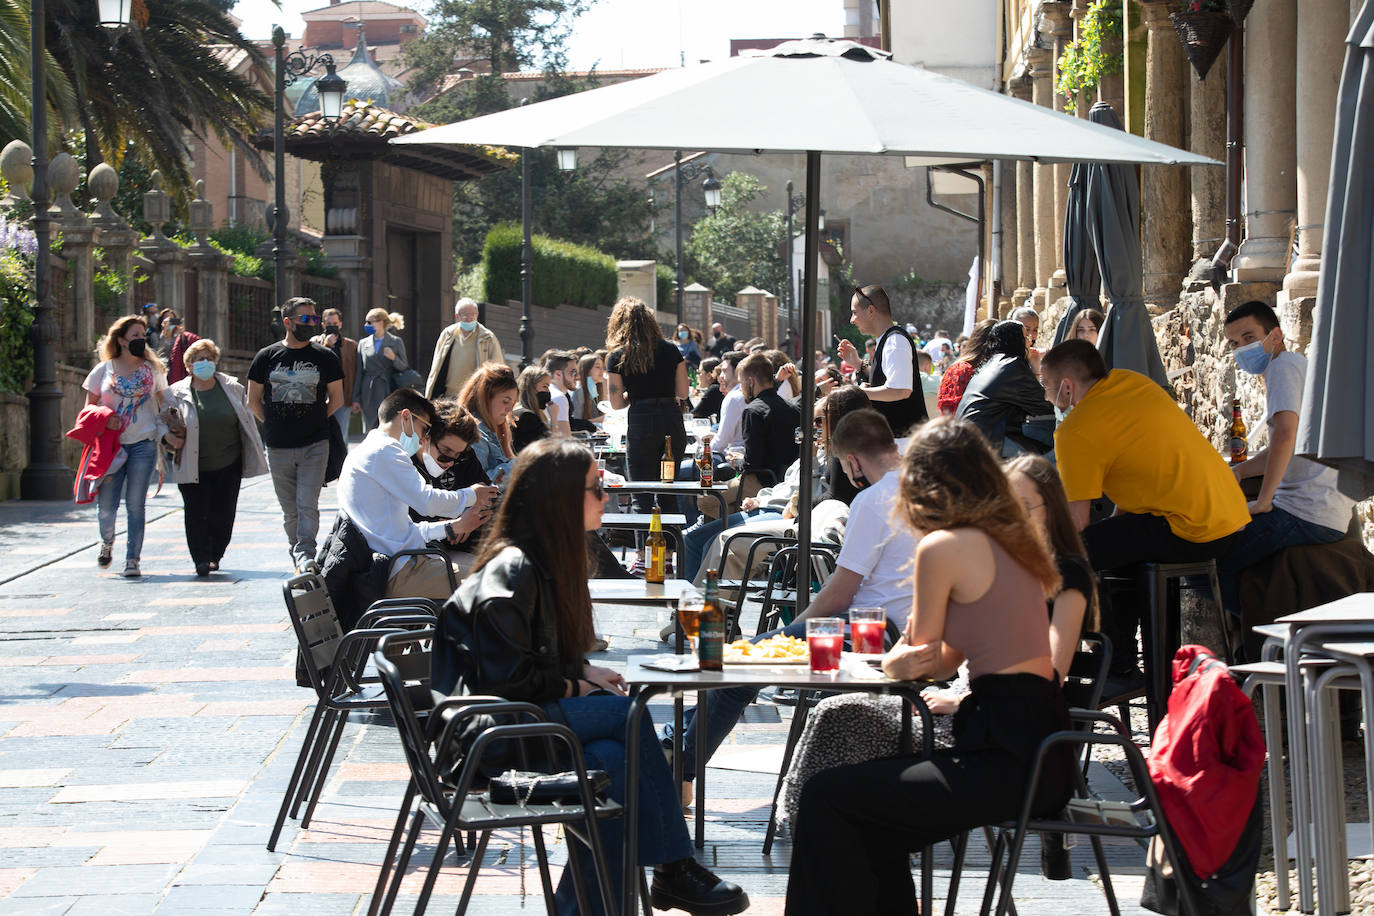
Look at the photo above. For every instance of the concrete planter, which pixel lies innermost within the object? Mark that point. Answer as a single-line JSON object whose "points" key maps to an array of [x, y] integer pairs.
{"points": [[14, 442]]}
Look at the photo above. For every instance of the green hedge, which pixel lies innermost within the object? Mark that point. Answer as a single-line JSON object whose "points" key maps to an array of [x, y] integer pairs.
{"points": [[665, 278], [16, 317], [564, 273]]}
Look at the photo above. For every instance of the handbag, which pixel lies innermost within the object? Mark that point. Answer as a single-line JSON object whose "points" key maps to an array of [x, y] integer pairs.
{"points": [[338, 451], [520, 787], [408, 378]]}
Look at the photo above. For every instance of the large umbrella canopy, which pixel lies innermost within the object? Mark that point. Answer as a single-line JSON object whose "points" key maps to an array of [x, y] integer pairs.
{"points": [[1337, 423], [1127, 340], [815, 96], [1080, 261]]}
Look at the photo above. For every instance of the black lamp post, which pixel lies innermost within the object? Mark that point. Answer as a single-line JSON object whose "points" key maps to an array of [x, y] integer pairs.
{"points": [[46, 477], [330, 87], [795, 202], [710, 188]]}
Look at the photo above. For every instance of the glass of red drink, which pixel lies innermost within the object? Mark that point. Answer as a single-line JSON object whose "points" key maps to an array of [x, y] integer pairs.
{"points": [[824, 640], [866, 627]]}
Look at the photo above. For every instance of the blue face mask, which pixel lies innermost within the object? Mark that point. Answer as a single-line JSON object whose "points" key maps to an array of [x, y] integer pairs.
{"points": [[368, 330], [681, 335], [410, 441], [1252, 357], [203, 369], [467, 327]]}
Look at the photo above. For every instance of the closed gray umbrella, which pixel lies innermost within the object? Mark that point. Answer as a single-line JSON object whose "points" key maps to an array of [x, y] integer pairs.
{"points": [[1080, 261], [1337, 423], [1113, 206]]}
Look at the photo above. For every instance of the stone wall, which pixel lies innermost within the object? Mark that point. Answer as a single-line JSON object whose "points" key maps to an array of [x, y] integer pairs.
{"points": [[563, 326], [933, 305]]}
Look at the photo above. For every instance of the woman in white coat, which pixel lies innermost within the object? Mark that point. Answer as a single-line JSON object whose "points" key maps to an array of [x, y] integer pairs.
{"points": [[220, 447]]}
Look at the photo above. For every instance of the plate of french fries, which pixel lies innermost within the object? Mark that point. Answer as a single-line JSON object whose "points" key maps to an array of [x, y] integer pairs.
{"points": [[775, 650]]}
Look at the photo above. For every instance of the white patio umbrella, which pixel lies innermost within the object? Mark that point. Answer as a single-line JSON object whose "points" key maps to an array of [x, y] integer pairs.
{"points": [[813, 96]]}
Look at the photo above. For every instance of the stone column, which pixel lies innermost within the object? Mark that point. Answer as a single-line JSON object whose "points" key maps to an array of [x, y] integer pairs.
{"points": [[1025, 213], [212, 273], [1009, 241], [1322, 25], [1207, 136], [78, 249], [349, 254], [1271, 190], [1059, 25], [1164, 201], [169, 261], [113, 235], [1041, 62]]}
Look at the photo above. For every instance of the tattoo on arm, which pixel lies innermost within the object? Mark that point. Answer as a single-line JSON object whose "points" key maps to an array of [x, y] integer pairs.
{"points": [[615, 389]]}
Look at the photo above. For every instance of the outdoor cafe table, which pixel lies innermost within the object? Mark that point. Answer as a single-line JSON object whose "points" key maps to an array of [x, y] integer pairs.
{"points": [[638, 521], [676, 488], [1349, 616], [855, 676]]}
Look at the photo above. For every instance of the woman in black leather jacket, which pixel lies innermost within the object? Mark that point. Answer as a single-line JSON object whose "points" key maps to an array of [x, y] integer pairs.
{"points": [[1005, 393], [519, 627]]}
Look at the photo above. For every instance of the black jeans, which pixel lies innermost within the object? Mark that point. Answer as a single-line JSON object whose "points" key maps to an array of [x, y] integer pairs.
{"points": [[858, 825], [649, 422], [210, 508], [1127, 540]]}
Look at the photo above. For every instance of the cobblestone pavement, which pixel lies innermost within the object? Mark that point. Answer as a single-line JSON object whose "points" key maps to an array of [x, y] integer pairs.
{"points": [[148, 728]]}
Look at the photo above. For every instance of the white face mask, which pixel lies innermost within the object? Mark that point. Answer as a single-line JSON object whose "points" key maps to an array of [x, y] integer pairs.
{"points": [[1060, 413], [431, 464]]}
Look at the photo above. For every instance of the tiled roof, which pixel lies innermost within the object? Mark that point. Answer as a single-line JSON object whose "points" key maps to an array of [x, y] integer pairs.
{"points": [[364, 132]]}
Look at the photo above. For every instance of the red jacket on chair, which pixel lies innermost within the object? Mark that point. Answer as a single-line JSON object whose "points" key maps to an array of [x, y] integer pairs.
{"points": [[102, 446], [1206, 758]]}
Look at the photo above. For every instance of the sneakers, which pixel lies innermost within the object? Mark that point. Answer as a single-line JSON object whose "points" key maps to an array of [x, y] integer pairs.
{"points": [[131, 570], [106, 548], [689, 885]]}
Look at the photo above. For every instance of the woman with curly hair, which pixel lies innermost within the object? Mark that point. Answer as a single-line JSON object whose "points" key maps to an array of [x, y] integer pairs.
{"points": [[489, 394], [982, 576], [647, 374]]}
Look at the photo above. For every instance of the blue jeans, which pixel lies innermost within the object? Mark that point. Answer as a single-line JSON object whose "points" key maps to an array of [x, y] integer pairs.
{"points": [[132, 480], [1267, 534], [697, 540], [599, 723]]}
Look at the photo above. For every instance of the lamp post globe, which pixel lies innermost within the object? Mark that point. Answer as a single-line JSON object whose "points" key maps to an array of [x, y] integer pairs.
{"points": [[114, 14], [331, 88], [567, 158], [711, 188]]}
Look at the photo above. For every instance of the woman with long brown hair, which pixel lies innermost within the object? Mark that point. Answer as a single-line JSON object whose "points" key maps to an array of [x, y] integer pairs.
{"points": [[520, 626], [129, 380], [973, 354], [489, 394], [647, 373], [982, 575]]}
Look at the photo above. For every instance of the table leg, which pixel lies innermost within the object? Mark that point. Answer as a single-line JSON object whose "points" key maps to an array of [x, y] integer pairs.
{"points": [[629, 901], [1297, 763], [914, 701]]}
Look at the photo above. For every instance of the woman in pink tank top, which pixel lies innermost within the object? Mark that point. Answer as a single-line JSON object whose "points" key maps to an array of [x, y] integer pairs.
{"points": [[983, 573]]}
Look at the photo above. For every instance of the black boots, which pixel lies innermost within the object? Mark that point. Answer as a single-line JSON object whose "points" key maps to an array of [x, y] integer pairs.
{"points": [[688, 885]]}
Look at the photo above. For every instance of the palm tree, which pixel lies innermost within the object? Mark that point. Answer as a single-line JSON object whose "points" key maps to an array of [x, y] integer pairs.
{"points": [[160, 83], [16, 88]]}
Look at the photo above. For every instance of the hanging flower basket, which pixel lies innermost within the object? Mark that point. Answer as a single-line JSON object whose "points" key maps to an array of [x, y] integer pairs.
{"points": [[1203, 34], [1239, 10]]}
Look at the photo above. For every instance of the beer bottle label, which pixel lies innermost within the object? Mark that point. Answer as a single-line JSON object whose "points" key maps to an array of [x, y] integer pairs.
{"points": [[710, 640], [658, 563]]}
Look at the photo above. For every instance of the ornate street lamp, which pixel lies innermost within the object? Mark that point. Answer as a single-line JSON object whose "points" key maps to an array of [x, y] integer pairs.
{"points": [[331, 87], [114, 14], [526, 255], [46, 477], [710, 188]]}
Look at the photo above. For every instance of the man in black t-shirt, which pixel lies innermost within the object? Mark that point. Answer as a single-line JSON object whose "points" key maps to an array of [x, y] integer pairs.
{"points": [[294, 387], [721, 343]]}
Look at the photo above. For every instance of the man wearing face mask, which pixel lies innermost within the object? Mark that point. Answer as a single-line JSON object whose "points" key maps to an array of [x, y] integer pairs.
{"points": [[460, 349], [379, 486], [1122, 435], [346, 349], [1298, 500], [294, 387]]}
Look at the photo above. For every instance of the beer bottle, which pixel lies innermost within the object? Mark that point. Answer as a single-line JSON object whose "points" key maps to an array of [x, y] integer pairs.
{"points": [[711, 626], [1238, 443], [706, 466], [657, 548], [667, 471]]}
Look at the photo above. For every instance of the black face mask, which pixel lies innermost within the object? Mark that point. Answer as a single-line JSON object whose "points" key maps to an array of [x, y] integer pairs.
{"points": [[860, 480], [302, 333], [542, 398], [138, 347]]}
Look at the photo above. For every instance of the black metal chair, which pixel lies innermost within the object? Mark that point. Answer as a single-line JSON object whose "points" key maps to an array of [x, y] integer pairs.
{"points": [[334, 661], [455, 803]]}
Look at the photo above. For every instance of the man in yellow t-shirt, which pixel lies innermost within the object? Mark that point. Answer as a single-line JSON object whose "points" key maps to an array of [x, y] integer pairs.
{"points": [[1122, 436]]}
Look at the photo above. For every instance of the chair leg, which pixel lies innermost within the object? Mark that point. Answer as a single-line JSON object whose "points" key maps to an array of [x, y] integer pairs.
{"points": [[437, 864], [1100, 854], [994, 871], [1223, 620], [1273, 736], [417, 824], [793, 736], [960, 845], [575, 853], [473, 868], [323, 775], [308, 775], [1009, 870], [644, 894], [401, 817], [306, 746], [542, 854]]}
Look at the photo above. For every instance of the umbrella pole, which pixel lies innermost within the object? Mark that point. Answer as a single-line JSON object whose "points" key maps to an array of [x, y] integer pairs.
{"points": [[808, 377]]}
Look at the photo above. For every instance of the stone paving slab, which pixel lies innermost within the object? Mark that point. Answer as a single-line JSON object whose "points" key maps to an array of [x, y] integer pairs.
{"points": [[148, 729]]}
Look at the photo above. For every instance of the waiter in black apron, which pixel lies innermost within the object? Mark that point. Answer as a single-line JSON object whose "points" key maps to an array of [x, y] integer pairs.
{"points": [[892, 384]]}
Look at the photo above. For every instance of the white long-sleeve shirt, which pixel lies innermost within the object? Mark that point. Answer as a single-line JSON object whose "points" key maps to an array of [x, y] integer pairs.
{"points": [[731, 430], [379, 484]]}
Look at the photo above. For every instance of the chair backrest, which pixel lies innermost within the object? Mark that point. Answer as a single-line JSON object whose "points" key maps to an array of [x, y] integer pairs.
{"points": [[316, 624], [395, 660], [1087, 673]]}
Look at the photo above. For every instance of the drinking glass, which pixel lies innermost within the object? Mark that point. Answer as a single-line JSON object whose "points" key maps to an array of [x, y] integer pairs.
{"points": [[824, 639], [689, 607], [866, 626]]}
